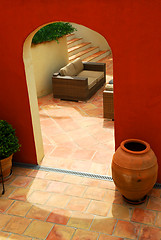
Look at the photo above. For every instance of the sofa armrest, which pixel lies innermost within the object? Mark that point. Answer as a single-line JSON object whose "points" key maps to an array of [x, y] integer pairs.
{"points": [[68, 80], [55, 74], [93, 66]]}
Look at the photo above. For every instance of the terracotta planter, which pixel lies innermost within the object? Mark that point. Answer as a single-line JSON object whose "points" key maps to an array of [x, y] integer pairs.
{"points": [[134, 169], [6, 164]]}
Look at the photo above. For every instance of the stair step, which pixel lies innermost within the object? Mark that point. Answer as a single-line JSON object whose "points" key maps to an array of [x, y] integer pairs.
{"points": [[78, 48], [85, 53], [97, 56], [109, 58], [70, 36], [74, 41]]}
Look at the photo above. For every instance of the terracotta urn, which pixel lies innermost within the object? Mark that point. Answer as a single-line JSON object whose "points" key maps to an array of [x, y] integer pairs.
{"points": [[134, 169]]}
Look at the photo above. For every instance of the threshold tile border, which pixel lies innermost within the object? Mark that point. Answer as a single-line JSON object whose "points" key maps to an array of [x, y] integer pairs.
{"points": [[71, 172]]}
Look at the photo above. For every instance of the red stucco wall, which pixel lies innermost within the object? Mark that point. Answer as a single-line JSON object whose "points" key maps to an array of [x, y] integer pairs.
{"points": [[133, 30]]}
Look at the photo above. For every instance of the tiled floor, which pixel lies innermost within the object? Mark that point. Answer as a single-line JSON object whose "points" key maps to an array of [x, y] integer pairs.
{"points": [[57, 206], [75, 134]]}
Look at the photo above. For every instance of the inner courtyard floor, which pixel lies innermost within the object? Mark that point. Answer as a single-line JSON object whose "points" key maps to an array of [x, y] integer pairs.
{"points": [[75, 135]]}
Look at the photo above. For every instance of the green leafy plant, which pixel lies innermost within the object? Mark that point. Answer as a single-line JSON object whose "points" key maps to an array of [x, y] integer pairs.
{"points": [[53, 31], [9, 143]]}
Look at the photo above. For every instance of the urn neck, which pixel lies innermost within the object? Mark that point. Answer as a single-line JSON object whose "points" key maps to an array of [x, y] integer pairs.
{"points": [[135, 146]]}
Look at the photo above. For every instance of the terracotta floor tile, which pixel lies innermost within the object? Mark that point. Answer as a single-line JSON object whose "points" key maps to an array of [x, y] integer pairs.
{"points": [[10, 180], [4, 236], [39, 212], [54, 176], [155, 192], [17, 225], [58, 200], [75, 135], [18, 237], [38, 229], [103, 136], [81, 166], [58, 187], [72, 179], [4, 219], [154, 203], [53, 162], [83, 154], [75, 190], [85, 235], [5, 204], [107, 184], [47, 122], [103, 157], [60, 138], [59, 216], [39, 184], [8, 190], [62, 152], [22, 181], [39, 197], [67, 124], [113, 196], [108, 237], [19, 208], [78, 204], [158, 220], [143, 216], [99, 208], [150, 233], [103, 225], [90, 182], [86, 141], [126, 229], [98, 168], [46, 140], [20, 194], [80, 220], [38, 174], [21, 171], [61, 233], [120, 212], [94, 193], [64, 163], [50, 133]]}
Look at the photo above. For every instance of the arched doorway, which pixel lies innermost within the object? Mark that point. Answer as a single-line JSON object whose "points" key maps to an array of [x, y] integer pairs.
{"points": [[61, 121]]}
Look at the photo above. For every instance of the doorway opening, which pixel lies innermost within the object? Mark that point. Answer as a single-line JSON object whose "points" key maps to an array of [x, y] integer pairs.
{"points": [[75, 136]]}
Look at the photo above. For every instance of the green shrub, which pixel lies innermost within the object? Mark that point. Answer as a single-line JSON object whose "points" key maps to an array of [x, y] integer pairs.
{"points": [[8, 141], [53, 31]]}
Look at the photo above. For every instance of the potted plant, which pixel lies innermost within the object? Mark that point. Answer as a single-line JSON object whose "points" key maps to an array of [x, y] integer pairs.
{"points": [[9, 144], [53, 31]]}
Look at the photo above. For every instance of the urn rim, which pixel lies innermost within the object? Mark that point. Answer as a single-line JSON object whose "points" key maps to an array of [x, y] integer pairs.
{"points": [[135, 146]]}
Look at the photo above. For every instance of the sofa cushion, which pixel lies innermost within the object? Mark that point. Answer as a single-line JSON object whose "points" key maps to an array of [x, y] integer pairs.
{"points": [[68, 70], [78, 65], [109, 87], [91, 82], [93, 74]]}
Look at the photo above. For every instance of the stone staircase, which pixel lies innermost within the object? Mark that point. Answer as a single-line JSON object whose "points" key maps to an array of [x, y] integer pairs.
{"points": [[88, 53]]}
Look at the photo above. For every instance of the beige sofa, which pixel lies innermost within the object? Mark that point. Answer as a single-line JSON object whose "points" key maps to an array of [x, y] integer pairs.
{"points": [[79, 80]]}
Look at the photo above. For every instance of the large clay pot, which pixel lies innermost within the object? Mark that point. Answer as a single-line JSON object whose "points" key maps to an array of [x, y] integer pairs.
{"points": [[6, 164], [134, 169]]}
